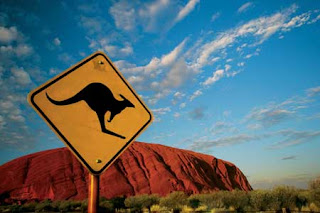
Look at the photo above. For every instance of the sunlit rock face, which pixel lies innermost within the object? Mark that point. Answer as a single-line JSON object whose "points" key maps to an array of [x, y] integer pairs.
{"points": [[142, 169]]}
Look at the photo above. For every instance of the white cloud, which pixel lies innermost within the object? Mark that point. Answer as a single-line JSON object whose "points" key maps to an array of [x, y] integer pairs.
{"points": [[294, 138], [221, 127], [217, 75], [136, 79], [53, 71], [195, 94], [66, 58], [215, 16], [227, 67], [23, 50], [154, 16], [124, 15], [275, 113], [183, 105], [269, 116], [112, 50], [57, 42], [20, 76], [240, 64], [313, 91], [314, 20], [2, 122], [254, 126], [7, 35], [154, 8], [175, 68], [177, 96], [177, 75], [92, 25], [18, 118], [208, 48], [173, 55], [176, 115], [186, 10], [161, 111], [245, 7], [297, 21]]}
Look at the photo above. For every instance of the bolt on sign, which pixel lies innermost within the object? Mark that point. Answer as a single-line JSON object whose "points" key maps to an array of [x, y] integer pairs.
{"points": [[93, 110]]}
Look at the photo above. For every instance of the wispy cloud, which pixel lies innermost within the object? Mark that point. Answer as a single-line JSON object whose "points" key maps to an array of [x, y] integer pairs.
{"points": [[217, 75], [91, 24], [215, 16], [160, 112], [151, 16], [295, 138], [223, 127], [291, 157], [245, 7], [186, 10], [269, 116], [124, 15], [283, 138], [276, 113], [195, 94], [313, 91]]}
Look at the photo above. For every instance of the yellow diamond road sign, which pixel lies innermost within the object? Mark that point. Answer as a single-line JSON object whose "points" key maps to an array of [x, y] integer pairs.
{"points": [[93, 110]]}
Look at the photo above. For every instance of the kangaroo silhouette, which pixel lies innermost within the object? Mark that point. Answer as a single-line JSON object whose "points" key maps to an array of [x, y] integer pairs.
{"points": [[101, 100]]}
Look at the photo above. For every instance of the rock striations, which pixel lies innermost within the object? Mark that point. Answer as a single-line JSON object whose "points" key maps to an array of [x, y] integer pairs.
{"points": [[142, 169]]}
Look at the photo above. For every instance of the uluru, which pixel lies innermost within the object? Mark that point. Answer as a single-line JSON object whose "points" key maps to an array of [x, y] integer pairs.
{"points": [[143, 168]]}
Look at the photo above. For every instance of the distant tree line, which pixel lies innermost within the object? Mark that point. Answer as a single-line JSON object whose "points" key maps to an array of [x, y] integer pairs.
{"points": [[279, 199]]}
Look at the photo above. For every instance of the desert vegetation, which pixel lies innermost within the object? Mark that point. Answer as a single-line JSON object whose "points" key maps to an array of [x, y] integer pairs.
{"points": [[279, 199]]}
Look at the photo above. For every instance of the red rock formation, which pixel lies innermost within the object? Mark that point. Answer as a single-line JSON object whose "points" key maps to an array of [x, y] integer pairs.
{"points": [[143, 168]]}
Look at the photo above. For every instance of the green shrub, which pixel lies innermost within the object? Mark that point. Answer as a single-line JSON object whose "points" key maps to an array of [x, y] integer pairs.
{"points": [[314, 188], [137, 203], [44, 206], [237, 199], [212, 200], [193, 202], [284, 197], [302, 199], [261, 200], [174, 201], [69, 205], [118, 203], [84, 206], [28, 207], [106, 206]]}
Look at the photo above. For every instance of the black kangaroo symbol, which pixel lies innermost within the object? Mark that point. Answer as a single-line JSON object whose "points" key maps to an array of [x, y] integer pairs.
{"points": [[101, 100]]}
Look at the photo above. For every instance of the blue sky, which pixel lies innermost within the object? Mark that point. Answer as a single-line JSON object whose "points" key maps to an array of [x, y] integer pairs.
{"points": [[235, 79]]}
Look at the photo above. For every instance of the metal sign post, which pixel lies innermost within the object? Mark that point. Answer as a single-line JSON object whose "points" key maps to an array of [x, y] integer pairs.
{"points": [[93, 195]]}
